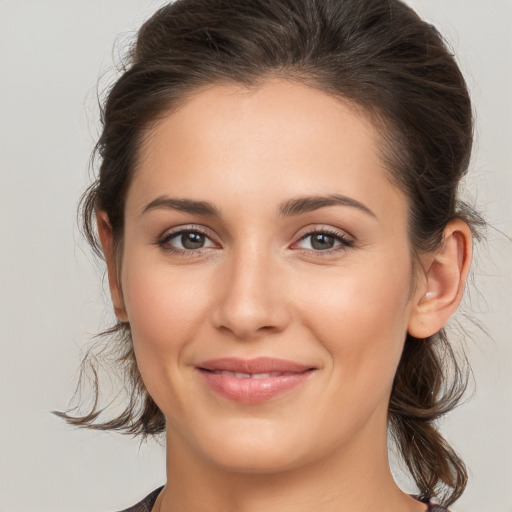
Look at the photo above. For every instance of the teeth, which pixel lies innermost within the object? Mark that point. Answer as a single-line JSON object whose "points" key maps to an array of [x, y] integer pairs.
{"points": [[239, 375]]}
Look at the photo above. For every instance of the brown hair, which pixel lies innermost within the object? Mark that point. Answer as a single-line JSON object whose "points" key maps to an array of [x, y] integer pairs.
{"points": [[380, 56]]}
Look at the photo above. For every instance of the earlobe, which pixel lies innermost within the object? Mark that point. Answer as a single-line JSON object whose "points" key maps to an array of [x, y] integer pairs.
{"points": [[445, 274], [107, 244]]}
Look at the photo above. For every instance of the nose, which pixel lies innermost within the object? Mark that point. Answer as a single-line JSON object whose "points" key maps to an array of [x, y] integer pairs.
{"points": [[252, 297]]}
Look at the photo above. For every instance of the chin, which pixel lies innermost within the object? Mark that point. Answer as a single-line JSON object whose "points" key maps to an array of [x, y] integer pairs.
{"points": [[256, 460], [251, 446]]}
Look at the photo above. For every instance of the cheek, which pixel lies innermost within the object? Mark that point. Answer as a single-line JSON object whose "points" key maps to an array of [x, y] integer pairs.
{"points": [[166, 308], [360, 315]]}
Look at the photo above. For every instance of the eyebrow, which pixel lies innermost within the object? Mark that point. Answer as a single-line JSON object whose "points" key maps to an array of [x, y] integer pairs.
{"points": [[306, 204], [183, 205], [292, 207]]}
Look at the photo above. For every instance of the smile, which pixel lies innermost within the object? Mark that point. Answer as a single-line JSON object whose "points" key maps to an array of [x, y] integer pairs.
{"points": [[253, 381], [238, 375]]}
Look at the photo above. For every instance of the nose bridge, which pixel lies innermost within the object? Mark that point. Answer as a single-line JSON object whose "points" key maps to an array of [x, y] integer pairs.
{"points": [[252, 298]]}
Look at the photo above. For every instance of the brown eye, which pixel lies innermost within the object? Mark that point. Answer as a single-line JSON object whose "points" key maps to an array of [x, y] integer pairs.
{"points": [[186, 240], [322, 241], [192, 240]]}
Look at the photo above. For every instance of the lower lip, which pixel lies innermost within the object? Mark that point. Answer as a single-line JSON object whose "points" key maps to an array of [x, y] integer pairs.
{"points": [[250, 390]]}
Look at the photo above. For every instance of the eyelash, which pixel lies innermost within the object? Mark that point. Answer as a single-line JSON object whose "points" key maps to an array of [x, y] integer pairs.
{"points": [[164, 241], [344, 241]]}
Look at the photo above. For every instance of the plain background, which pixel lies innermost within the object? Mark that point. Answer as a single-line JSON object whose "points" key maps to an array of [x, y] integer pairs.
{"points": [[51, 55]]}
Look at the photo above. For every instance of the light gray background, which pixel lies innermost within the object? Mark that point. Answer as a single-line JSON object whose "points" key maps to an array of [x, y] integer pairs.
{"points": [[51, 55]]}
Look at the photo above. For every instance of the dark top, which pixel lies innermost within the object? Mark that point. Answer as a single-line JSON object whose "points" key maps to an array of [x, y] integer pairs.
{"points": [[147, 504]]}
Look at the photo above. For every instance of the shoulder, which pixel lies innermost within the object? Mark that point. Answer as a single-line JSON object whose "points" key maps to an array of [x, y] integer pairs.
{"points": [[146, 504]]}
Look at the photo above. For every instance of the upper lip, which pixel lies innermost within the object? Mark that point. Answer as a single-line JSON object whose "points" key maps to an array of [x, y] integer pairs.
{"points": [[256, 365]]}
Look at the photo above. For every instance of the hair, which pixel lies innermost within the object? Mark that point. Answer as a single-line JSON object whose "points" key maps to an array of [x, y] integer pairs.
{"points": [[377, 55]]}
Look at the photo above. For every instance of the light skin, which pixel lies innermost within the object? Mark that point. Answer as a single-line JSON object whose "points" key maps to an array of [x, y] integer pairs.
{"points": [[263, 222]]}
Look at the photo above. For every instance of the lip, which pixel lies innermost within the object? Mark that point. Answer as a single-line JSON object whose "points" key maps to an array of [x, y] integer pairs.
{"points": [[253, 381]]}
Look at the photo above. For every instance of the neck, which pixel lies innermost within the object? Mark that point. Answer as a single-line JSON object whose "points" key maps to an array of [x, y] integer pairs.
{"points": [[356, 480]]}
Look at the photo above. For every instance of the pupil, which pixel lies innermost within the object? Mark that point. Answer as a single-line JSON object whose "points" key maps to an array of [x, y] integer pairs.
{"points": [[192, 240], [322, 242]]}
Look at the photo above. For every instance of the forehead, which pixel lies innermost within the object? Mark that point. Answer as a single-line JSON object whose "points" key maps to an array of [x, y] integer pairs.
{"points": [[277, 140]]}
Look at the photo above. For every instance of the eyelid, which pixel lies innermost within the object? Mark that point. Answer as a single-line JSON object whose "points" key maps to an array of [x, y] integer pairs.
{"points": [[171, 233], [324, 228], [345, 240]]}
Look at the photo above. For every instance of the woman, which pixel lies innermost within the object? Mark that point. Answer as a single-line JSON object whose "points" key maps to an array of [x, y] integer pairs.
{"points": [[277, 207]]}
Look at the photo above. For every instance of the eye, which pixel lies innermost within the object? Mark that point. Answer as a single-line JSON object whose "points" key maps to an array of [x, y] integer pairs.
{"points": [[324, 241], [186, 240]]}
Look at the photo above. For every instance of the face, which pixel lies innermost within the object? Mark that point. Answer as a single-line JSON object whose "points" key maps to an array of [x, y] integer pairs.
{"points": [[266, 275]]}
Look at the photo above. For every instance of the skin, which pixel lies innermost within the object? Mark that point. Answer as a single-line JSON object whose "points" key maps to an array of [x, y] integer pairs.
{"points": [[258, 287]]}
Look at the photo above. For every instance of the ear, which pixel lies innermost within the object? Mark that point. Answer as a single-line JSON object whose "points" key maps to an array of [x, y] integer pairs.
{"points": [[442, 281], [107, 244]]}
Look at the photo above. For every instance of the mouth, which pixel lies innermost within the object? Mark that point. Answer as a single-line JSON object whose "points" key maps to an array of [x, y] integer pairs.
{"points": [[241, 375], [253, 381]]}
